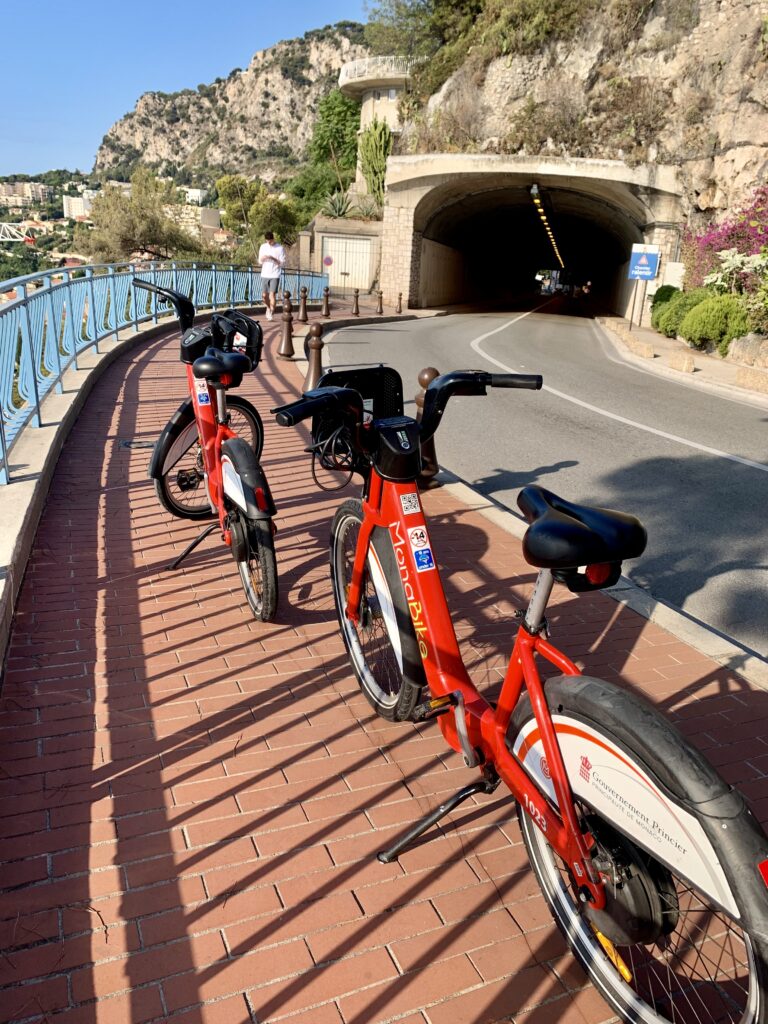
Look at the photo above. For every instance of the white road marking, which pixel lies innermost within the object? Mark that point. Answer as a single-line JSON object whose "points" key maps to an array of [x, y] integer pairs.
{"points": [[475, 345]]}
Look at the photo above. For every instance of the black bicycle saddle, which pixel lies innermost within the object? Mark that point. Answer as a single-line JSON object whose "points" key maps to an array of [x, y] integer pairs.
{"points": [[215, 364], [563, 535]]}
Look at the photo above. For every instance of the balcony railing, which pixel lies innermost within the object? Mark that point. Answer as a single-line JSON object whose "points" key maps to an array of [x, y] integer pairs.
{"points": [[59, 314], [376, 67]]}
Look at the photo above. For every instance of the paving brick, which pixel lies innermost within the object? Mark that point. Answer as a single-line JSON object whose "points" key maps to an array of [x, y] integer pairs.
{"points": [[409, 992], [215, 789], [322, 984]]}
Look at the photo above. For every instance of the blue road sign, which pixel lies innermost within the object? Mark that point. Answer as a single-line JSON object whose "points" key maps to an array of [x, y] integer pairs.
{"points": [[643, 266]]}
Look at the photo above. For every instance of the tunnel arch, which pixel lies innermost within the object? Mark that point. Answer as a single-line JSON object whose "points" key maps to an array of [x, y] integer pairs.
{"points": [[473, 230]]}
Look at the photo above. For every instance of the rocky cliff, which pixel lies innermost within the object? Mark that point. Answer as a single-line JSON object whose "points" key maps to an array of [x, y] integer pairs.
{"points": [[684, 83], [254, 121]]}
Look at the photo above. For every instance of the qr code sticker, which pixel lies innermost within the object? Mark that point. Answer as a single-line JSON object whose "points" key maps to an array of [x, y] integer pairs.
{"points": [[424, 560], [410, 503]]}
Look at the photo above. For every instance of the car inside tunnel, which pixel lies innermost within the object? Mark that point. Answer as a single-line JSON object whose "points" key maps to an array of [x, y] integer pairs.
{"points": [[486, 244]]}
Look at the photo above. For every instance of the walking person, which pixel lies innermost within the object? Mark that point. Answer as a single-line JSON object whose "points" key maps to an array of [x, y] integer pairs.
{"points": [[272, 260]]}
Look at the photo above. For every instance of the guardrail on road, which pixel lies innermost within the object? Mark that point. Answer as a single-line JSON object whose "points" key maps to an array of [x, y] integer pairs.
{"points": [[57, 315]]}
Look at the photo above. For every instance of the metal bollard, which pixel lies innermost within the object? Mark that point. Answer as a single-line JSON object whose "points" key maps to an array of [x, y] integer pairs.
{"points": [[315, 357], [399, 306], [326, 310], [286, 341], [302, 317], [379, 302], [429, 464], [356, 302]]}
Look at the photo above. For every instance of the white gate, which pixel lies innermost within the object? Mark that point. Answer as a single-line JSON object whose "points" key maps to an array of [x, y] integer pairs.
{"points": [[347, 262]]}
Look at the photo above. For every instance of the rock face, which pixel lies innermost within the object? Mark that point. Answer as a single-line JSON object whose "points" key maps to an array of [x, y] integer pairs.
{"points": [[689, 88], [254, 121]]}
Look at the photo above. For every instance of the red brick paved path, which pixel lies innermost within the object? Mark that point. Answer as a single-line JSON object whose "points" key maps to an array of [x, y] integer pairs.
{"points": [[191, 800]]}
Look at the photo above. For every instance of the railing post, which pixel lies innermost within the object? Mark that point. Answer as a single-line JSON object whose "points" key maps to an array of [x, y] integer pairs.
{"points": [[71, 319], [314, 357], [51, 320], [213, 285], [113, 301], [5, 473], [286, 341], [429, 464], [35, 420], [326, 310], [231, 284], [92, 307], [135, 304], [153, 271]]}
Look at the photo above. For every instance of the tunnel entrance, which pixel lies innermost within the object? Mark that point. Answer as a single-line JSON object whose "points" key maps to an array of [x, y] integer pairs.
{"points": [[476, 234]]}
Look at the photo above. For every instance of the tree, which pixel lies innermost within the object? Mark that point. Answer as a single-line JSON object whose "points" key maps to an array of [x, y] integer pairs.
{"points": [[310, 188], [236, 195], [334, 139], [19, 260], [375, 147], [418, 28], [269, 213], [123, 225]]}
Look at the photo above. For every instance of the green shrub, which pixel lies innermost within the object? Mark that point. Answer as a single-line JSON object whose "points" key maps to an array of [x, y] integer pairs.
{"points": [[659, 302], [715, 322], [663, 294], [674, 312]]}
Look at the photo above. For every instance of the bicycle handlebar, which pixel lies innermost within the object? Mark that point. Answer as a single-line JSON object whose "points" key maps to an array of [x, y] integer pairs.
{"points": [[467, 382], [185, 310], [347, 401]]}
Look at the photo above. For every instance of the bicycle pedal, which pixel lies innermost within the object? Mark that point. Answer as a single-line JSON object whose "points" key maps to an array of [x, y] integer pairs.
{"points": [[433, 708]]}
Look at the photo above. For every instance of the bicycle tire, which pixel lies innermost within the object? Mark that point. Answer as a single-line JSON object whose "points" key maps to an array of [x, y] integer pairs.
{"points": [[258, 573], [193, 503], [667, 930], [383, 649]]}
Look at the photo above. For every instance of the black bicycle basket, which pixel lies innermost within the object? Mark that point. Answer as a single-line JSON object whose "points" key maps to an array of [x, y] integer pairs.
{"points": [[381, 389], [250, 330]]}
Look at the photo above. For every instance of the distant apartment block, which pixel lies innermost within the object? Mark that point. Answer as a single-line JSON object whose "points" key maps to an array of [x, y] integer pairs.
{"points": [[198, 221], [195, 196], [79, 206], [17, 194]]}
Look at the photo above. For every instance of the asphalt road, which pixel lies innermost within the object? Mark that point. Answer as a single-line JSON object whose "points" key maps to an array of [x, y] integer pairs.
{"points": [[693, 466]]}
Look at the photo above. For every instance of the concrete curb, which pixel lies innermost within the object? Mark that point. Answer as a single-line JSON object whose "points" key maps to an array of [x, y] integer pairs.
{"points": [[702, 638]]}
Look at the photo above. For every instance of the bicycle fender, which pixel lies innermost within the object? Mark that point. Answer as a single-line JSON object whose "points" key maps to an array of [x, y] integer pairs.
{"points": [[245, 482], [703, 808], [173, 440]]}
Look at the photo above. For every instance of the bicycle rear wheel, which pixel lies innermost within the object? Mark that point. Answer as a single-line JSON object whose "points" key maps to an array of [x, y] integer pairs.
{"points": [[682, 937], [382, 645], [182, 491]]}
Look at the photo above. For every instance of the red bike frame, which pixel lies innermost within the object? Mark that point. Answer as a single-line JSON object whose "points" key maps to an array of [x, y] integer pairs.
{"points": [[212, 435], [447, 675]]}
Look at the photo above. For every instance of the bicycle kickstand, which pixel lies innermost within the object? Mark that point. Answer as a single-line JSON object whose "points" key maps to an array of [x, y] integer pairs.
{"points": [[191, 547], [487, 784]]}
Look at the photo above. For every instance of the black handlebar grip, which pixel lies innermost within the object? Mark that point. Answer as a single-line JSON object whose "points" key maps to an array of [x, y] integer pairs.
{"points": [[290, 415], [533, 381]]}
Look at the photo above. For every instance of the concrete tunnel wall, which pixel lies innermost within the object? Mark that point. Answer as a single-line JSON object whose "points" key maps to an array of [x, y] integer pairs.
{"points": [[475, 235]]}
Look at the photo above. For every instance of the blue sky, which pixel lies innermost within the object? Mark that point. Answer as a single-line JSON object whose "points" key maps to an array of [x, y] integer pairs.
{"points": [[69, 71]]}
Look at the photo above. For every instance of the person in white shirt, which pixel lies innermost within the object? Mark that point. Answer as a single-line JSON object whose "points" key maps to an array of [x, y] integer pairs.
{"points": [[272, 260]]}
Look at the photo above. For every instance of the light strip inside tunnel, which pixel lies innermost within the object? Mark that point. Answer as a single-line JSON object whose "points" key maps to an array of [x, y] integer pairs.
{"points": [[550, 233]]}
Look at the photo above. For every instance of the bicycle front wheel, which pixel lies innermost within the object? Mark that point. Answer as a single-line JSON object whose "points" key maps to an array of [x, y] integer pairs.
{"points": [[258, 572], [182, 491], [382, 644], [682, 937]]}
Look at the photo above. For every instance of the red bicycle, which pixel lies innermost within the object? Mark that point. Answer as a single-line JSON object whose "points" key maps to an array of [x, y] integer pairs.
{"points": [[201, 467], [652, 866]]}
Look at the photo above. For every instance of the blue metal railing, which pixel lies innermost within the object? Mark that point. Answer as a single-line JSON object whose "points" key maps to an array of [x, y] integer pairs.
{"points": [[58, 314]]}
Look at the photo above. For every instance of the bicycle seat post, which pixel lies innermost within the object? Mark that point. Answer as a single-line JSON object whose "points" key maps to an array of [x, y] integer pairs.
{"points": [[534, 616]]}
